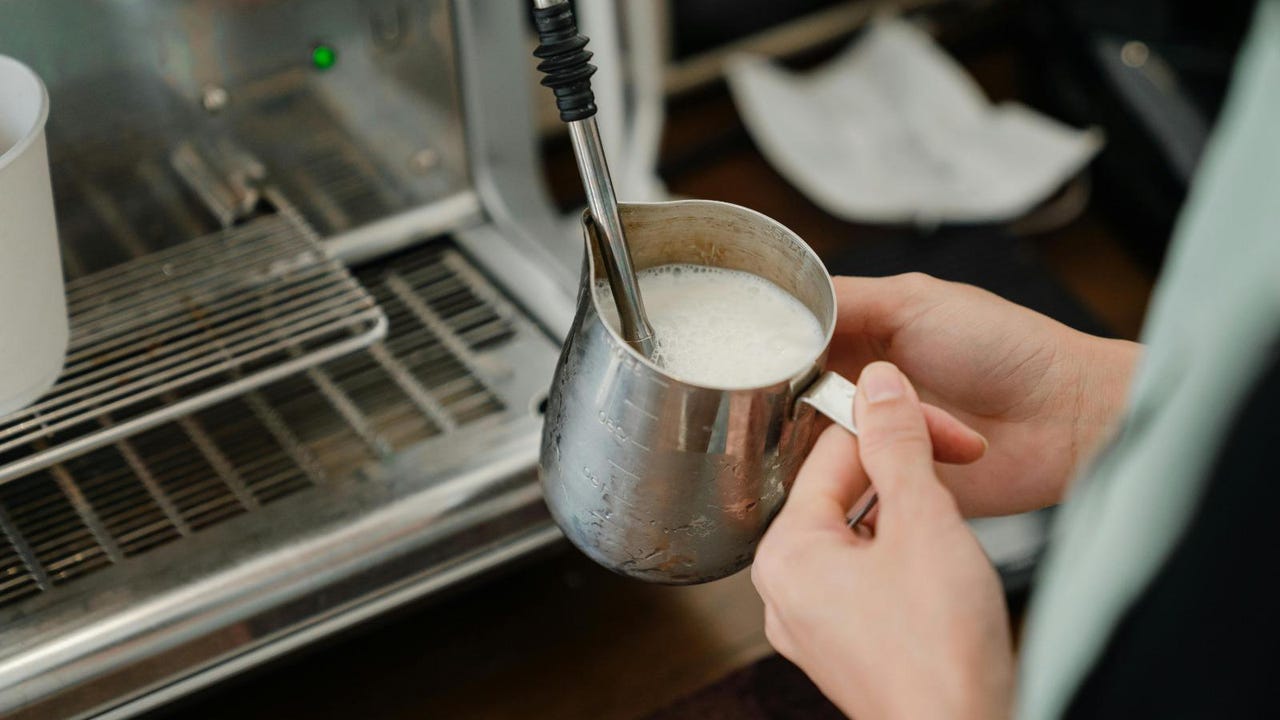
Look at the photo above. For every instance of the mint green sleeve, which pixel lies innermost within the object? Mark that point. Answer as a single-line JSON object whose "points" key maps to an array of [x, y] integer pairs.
{"points": [[1216, 309]]}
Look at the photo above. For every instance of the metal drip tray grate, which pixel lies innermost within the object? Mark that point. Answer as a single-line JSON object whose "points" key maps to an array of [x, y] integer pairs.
{"points": [[180, 329], [451, 346]]}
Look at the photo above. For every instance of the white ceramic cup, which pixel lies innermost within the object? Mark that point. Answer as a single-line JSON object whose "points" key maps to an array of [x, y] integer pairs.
{"points": [[33, 310]]}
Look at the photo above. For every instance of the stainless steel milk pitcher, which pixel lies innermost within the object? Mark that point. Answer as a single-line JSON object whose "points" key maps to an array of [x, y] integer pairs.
{"points": [[660, 479]]}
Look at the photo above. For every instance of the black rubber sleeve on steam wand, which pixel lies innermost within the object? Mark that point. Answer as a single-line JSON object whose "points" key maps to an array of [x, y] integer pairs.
{"points": [[565, 61]]}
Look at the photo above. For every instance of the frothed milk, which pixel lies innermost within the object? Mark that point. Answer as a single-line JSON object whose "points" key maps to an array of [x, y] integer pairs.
{"points": [[722, 328]]}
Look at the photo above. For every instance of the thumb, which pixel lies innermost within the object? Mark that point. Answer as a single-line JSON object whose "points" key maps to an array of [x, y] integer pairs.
{"points": [[893, 436]]}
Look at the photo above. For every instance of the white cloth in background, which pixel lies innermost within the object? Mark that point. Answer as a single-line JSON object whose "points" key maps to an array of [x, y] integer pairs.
{"points": [[894, 131]]}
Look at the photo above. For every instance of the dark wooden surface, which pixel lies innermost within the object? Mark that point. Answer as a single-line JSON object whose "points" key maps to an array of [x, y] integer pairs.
{"points": [[560, 638], [557, 637]]}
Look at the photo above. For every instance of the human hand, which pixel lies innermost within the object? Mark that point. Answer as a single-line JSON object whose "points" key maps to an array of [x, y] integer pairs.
{"points": [[1044, 396], [910, 623]]}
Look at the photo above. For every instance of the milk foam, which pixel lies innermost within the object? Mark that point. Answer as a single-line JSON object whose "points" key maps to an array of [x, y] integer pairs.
{"points": [[723, 328]]}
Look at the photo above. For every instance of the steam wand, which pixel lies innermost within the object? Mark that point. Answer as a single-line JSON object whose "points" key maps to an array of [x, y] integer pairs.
{"points": [[565, 63]]}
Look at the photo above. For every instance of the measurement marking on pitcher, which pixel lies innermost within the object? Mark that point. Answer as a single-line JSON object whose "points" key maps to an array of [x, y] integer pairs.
{"points": [[637, 408], [615, 428], [621, 469]]}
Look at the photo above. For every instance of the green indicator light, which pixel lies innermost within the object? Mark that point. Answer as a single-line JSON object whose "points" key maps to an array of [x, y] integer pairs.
{"points": [[323, 57]]}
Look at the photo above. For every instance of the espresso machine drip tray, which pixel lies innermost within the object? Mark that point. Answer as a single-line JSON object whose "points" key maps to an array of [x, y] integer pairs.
{"points": [[177, 330], [247, 527], [444, 367]]}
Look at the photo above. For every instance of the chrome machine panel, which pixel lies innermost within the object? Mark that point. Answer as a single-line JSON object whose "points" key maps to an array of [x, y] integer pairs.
{"points": [[174, 557]]}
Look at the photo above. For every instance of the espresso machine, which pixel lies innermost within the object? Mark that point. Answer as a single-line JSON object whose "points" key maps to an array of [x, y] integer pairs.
{"points": [[315, 291]]}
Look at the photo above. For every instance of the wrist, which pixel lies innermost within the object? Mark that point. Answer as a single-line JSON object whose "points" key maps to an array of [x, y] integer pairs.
{"points": [[1104, 371], [981, 691]]}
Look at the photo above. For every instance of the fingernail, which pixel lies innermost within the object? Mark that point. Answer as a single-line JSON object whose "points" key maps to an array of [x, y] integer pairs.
{"points": [[881, 382]]}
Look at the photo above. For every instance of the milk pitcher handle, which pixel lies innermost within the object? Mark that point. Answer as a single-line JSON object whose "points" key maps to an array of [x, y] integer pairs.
{"points": [[832, 395]]}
